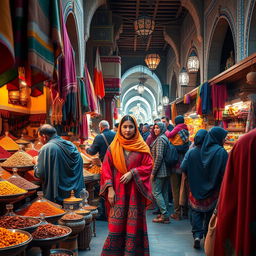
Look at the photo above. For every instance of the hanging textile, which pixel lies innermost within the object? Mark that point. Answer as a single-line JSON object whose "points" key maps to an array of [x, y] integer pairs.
{"points": [[219, 96], [98, 77], [84, 129], [205, 95], [7, 70], [186, 99], [92, 100], [44, 42], [199, 101], [83, 95], [174, 112]]}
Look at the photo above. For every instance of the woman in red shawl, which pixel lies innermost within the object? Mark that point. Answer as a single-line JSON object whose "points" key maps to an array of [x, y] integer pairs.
{"points": [[236, 225], [125, 185]]}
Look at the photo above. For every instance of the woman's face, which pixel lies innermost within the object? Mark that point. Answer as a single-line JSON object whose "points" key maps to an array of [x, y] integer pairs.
{"points": [[157, 130], [128, 129]]}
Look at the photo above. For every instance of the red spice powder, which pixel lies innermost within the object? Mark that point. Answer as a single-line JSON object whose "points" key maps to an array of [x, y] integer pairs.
{"points": [[4, 153], [33, 152]]}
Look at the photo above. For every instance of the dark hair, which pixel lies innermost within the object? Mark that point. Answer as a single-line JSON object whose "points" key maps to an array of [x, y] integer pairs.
{"points": [[157, 120], [165, 117], [116, 125], [128, 118], [47, 129]]}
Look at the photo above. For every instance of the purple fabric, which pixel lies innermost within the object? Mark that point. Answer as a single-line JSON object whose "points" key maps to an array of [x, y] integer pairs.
{"points": [[67, 71], [84, 129], [90, 94]]}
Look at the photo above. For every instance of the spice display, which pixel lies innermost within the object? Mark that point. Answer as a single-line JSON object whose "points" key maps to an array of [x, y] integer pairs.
{"points": [[90, 207], [94, 169], [8, 238], [18, 159], [8, 144], [72, 198], [4, 174], [38, 207], [86, 173], [60, 254], [82, 211], [49, 230], [22, 141], [4, 153], [72, 216], [21, 182], [7, 188], [32, 152], [13, 222]]}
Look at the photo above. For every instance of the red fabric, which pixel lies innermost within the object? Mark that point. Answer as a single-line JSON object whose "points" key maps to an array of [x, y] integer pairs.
{"points": [[176, 129], [236, 226], [127, 219], [219, 96], [98, 77]]}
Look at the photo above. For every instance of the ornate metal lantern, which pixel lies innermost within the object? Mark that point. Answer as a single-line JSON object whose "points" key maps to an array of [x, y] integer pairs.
{"points": [[152, 60], [144, 26], [193, 62], [183, 77]]}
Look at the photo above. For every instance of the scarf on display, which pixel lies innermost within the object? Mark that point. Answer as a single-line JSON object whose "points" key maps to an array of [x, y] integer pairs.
{"points": [[119, 144]]}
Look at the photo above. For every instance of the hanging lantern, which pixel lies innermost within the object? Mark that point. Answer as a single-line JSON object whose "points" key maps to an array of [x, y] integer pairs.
{"points": [[24, 93], [144, 26], [251, 78], [193, 62], [14, 96], [160, 108], [165, 100], [183, 77], [152, 60], [140, 88]]}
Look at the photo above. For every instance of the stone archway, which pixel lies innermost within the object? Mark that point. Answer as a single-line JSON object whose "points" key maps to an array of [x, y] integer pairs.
{"points": [[219, 32], [250, 29], [73, 37]]}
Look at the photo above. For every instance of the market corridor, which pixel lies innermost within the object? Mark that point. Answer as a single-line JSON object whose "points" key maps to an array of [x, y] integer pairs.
{"points": [[172, 239]]}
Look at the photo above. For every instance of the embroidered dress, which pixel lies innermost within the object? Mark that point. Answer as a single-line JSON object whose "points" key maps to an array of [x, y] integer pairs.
{"points": [[127, 218]]}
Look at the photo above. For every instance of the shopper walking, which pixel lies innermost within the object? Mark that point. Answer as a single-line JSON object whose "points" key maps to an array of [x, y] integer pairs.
{"points": [[125, 185], [160, 174]]}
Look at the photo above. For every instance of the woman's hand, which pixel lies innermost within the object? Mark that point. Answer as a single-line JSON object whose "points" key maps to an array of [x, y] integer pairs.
{"points": [[111, 196], [126, 178]]}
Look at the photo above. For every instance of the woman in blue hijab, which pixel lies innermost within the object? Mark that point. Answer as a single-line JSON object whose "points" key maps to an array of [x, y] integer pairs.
{"points": [[204, 166]]}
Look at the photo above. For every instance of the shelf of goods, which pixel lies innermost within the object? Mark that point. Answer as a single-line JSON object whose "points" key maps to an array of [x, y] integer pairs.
{"points": [[194, 123], [234, 119]]}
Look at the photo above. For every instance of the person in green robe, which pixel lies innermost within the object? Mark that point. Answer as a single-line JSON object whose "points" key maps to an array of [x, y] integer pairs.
{"points": [[59, 166]]}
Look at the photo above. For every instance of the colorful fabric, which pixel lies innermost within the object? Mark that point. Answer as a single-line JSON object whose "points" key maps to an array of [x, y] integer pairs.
{"points": [[186, 99], [199, 101], [219, 96], [179, 135], [205, 95], [236, 225], [7, 71], [98, 77], [127, 218], [173, 112], [119, 144], [44, 42]]}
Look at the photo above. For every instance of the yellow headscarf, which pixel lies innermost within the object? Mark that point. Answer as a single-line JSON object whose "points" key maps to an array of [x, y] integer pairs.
{"points": [[119, 143]]}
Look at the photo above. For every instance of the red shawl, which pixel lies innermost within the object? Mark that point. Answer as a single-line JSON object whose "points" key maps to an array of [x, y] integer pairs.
{"points": [[236, 228]]}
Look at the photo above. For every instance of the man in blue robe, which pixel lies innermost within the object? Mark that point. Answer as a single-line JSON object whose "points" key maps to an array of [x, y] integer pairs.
{"points": [[59, 166]]}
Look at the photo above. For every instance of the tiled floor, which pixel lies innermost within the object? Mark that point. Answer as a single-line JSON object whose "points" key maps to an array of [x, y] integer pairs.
{"points": [[172, 239]]}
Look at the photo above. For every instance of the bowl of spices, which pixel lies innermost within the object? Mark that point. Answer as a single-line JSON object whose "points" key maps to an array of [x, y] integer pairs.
{"points": [[49, 234], [13, 241], [10, 193], [17, 222]]}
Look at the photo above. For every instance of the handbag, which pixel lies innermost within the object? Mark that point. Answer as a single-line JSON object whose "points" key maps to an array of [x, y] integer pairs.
{"points": [[211, 234]]}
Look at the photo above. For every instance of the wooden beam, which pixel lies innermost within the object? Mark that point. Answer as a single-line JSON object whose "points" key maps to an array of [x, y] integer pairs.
{"points": [[137, 15], [154, 17]]}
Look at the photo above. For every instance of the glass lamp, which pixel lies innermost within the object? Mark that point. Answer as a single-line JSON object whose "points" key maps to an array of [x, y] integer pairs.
{"points": [[183, 77], [152, 60], [193, 63]]}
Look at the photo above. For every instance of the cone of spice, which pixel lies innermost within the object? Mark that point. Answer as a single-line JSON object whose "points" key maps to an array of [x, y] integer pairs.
{"points": [[22, 140], [18, 159], [49, 230], [20, 182], [16, 222], [4, 154], [4, 174], [38, 207], [7, 188], [8, 143]]}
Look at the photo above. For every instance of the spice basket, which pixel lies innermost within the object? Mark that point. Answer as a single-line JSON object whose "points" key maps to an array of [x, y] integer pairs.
{"points": [[51, 240], [12, 198], [16, 249], [20, 168]]}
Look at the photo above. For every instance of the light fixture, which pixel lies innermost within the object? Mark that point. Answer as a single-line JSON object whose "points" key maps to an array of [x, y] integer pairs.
{"points": [[165, 100], [160, 108], [140, 88], [183, 77], [193, 62], [154, 113], [144, 26], [152, 60]]}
